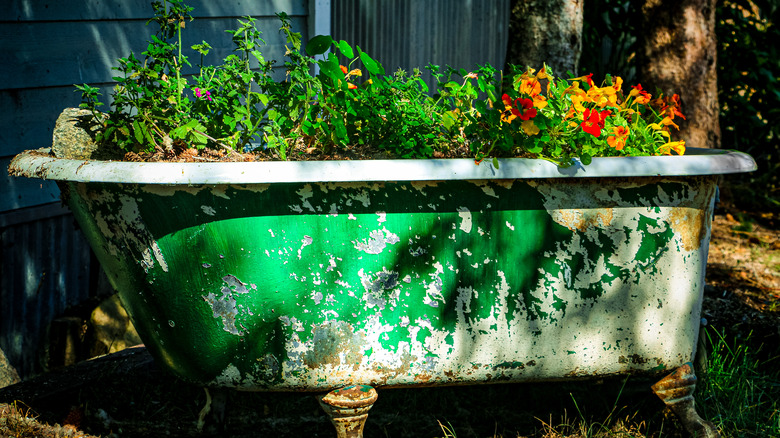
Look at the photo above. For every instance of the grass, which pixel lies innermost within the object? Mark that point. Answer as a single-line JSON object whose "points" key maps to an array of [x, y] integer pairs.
{"points": [[739, 392]]}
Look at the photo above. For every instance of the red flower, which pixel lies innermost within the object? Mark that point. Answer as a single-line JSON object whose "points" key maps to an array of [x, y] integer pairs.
{"points": [[520, 108], [594, 121]]}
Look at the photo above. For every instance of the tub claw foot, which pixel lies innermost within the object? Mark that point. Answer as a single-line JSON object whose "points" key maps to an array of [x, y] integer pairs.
{"points": [[348, 409], [676, 391]]}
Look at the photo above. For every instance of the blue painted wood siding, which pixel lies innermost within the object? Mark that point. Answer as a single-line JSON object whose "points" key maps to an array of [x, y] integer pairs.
{"points": [[47, 46]]}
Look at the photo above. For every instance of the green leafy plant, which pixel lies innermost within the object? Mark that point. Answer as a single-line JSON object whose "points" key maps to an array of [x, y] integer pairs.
{"points": [[352, 106]]}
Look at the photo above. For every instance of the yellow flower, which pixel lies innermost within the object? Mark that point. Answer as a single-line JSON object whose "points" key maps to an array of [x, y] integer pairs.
{"points": [[677, 146], [529, 127], [660, 129], [603, 96], [666, 121]]}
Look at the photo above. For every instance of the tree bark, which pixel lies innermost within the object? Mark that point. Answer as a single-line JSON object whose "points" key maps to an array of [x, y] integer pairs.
{"points": [[677, 54], [545, 31]]}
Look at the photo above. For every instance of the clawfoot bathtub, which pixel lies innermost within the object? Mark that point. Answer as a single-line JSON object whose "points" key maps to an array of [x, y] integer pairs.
{"points": [[350, 276]]}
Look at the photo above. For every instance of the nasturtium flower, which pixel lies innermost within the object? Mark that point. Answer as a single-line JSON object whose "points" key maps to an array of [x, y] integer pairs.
{"points": [[593, 121], [640, 96], [603, 96], [666, 121], [530, 86], [348, 73], [668, 106], [528, 110], [587, 78], [510, 112], [519, 108], [618, 138], [677, 146], [529, 127]]}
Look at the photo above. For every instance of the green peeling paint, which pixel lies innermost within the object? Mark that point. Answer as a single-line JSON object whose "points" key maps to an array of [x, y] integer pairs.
{"points": [[260, 285]]}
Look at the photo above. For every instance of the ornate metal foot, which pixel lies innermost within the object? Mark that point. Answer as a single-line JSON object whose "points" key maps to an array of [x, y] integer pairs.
{"points": [[212, 416], [676, 391], [348, 409]]}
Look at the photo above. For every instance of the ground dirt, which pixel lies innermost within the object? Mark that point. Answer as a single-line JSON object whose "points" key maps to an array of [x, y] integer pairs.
{"points": [[126, 395]]}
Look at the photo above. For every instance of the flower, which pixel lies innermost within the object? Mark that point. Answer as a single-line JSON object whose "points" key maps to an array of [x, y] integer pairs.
{"points": [[520, 108], [199, 92], [677, 146], [530, 128], [348, 73], [640, 96], [593, 121], [668, 106], [618, 138]]}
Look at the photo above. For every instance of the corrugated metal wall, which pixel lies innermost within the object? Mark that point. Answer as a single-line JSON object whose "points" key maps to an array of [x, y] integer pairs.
{"points": [[411, 33], [45, 269], [46, 47]]}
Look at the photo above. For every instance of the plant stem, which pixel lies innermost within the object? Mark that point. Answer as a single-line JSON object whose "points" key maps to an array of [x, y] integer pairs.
{"points": [[178, 69]]}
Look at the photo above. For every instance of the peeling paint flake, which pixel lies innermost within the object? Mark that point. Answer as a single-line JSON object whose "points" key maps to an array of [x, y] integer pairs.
{"points": [[465, 217], [225, 306], [377, 241]]}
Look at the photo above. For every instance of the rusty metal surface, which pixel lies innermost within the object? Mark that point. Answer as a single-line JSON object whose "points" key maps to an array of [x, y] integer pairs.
{"points": [[348, 409], [676, 391]]}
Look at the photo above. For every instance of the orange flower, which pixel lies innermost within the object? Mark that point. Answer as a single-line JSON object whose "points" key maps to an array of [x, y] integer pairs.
{"points": [[669, 106], [640, 96], [348, 73], [619, 137], [603, 96], [586, 78], [530, 86], [530, 128]]}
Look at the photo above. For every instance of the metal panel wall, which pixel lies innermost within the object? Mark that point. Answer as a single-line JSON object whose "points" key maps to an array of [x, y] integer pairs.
{"points": [[45, 263], [409, 33], [44, 269]]}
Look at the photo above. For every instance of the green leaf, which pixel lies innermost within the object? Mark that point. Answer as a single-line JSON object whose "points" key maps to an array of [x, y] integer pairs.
{"points": [[318, 45], [495, 162], [585, 158], [137, 132], [346, 49], [373, 67], [449, 118], [331, 68]]}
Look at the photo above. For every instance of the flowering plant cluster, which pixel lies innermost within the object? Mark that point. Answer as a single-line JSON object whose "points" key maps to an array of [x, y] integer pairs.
{"points": [[350, 104], [559, 119]]}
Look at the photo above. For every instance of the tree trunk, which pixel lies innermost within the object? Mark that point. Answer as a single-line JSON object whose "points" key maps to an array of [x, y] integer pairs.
{"points": [[545, 31], [677, 54]]}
